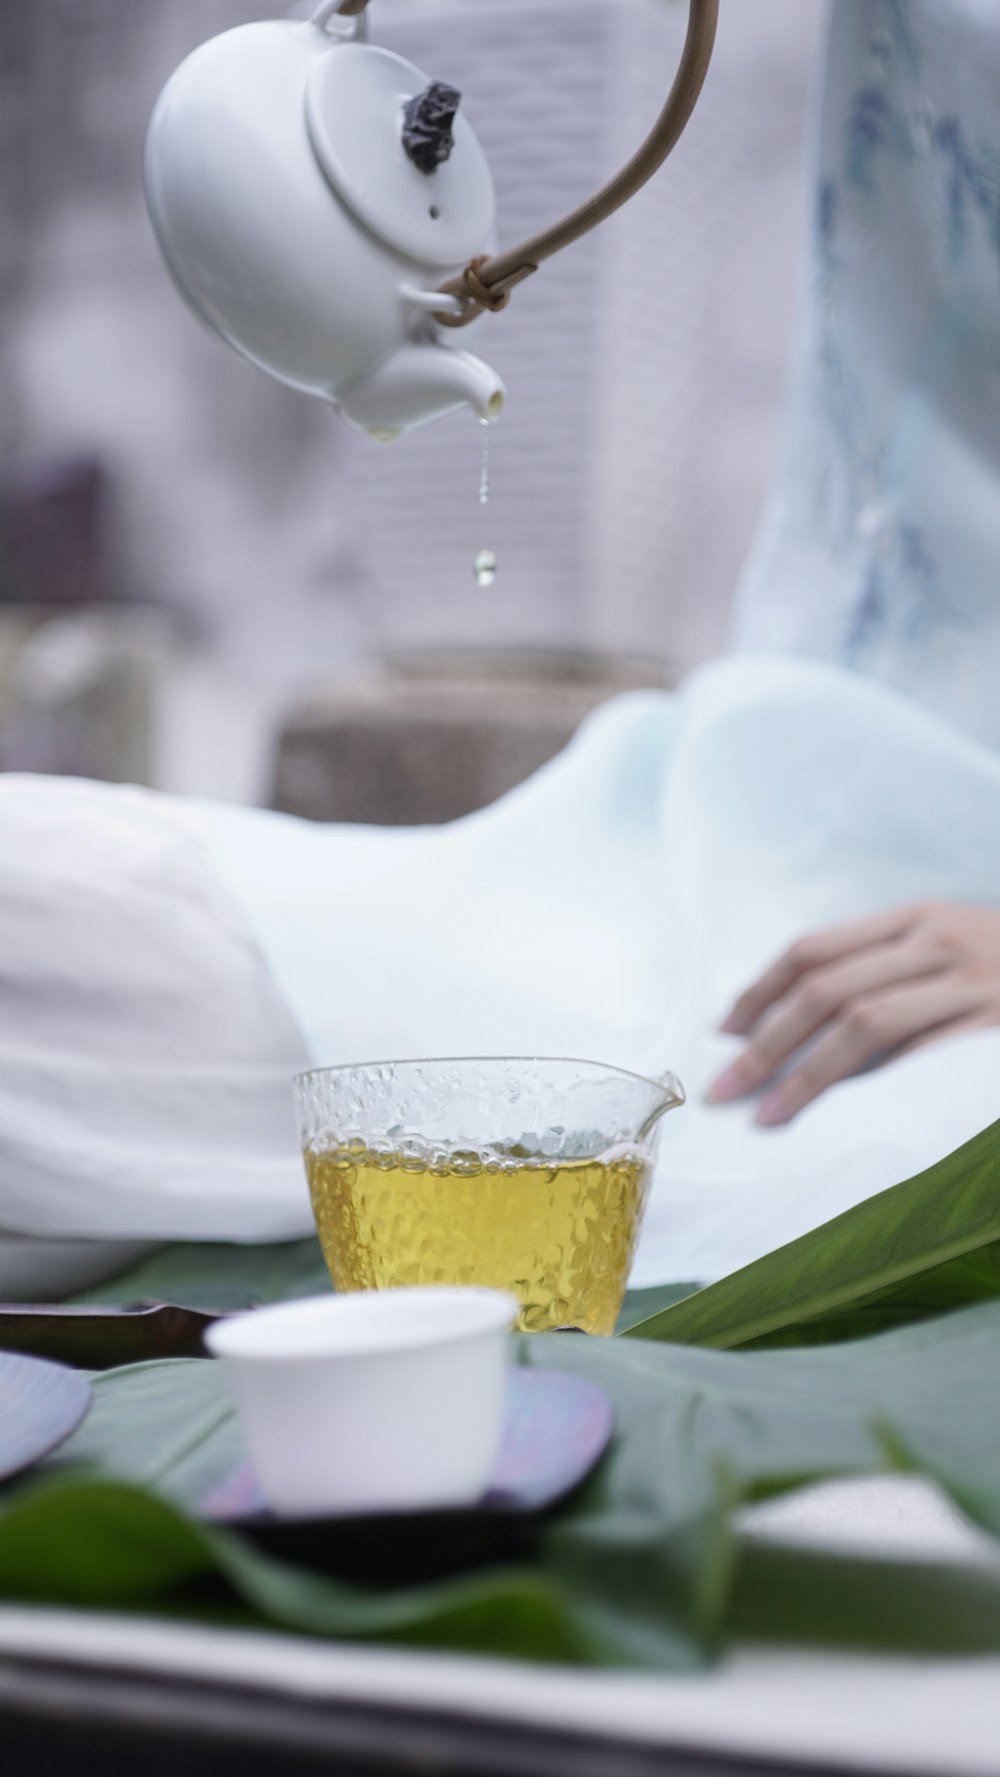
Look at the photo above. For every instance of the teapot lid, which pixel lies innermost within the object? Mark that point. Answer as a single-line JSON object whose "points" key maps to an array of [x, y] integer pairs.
{"points": [[354, 110]]}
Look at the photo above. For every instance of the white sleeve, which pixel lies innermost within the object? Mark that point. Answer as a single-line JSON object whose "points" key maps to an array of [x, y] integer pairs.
{"points": [[146, 1055]]}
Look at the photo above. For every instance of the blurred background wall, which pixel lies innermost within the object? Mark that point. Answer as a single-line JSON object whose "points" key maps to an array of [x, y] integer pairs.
{"points": [[236, 542]]}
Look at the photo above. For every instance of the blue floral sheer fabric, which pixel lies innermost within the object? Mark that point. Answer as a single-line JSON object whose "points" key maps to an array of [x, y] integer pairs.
{"points": [[881, 546]]}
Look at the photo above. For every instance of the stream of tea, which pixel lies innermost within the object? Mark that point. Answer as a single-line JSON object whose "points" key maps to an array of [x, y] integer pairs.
{"points": [[558, 1233], [485, 565]]}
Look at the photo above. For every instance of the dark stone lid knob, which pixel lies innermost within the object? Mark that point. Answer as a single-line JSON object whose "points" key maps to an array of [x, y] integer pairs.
{"points": [[427, 125]]}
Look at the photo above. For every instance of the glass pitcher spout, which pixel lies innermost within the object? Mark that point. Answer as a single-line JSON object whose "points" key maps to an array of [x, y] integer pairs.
{"points": [[673, 1097]]}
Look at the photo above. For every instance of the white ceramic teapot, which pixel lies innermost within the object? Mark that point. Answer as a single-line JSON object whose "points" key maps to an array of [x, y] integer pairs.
{"points": [[298, 224], [322, 206]]}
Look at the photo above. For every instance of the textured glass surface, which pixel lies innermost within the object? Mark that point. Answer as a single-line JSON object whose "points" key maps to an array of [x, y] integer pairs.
{"points": [[528, 1175]]}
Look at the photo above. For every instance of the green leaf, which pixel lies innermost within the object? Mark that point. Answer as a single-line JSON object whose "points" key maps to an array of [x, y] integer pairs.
{"points": [[639, 1305], [168, 1426], [788, 1593], [97, 1544], [919, 1249], [643, 1567], [217, 1276], [106, 1544], [711, 1429]]}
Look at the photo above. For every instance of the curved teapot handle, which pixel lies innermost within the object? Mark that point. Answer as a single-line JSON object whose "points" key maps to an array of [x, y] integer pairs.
{"points": [[486, 283]]}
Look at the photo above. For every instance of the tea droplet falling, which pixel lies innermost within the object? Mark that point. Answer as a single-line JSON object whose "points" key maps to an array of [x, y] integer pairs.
{"points": [[485, 568], [485, 565]]}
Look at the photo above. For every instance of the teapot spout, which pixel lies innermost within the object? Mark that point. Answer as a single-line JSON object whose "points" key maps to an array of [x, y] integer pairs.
{"points": [[421, 382]]}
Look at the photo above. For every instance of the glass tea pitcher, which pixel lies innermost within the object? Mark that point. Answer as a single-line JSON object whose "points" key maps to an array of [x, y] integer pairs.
{"points": [[529, 1175]]}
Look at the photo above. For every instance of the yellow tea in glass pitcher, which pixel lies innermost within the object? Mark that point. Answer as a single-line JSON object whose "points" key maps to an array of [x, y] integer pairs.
{"points": [[551, 1213], [558, 1234]]}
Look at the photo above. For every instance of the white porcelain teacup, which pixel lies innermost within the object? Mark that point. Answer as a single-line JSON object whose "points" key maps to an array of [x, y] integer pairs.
{"points": [[382, 1401]]}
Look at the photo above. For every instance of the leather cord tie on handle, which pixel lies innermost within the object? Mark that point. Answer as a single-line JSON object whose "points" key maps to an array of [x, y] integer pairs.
{"points": [[477, 291], [486, 282]]}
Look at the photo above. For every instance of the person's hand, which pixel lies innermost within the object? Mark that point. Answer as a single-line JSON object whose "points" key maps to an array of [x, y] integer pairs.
{"points": [[860, 994]]}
